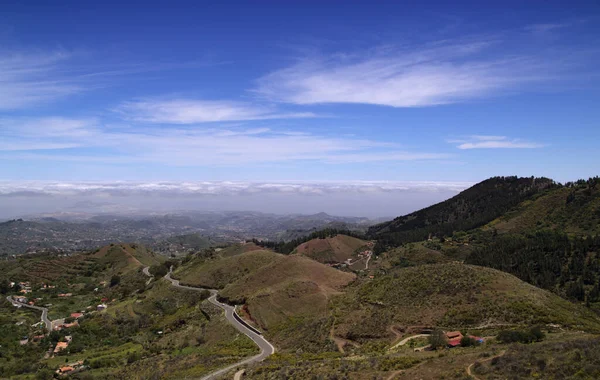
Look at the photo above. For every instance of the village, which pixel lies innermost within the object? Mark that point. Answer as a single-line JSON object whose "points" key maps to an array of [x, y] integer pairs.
{"points": [[45, 327]]}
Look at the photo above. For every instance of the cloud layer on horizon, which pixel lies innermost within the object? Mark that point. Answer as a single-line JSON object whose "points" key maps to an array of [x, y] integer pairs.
{"points": [[217, 188]]}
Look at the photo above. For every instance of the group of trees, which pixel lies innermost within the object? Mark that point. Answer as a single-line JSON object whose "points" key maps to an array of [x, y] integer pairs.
{"points": [[568, 266], [470, 209], [289, 246]]}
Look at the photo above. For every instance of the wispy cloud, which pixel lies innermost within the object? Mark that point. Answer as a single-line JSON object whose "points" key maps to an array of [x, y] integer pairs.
{"points": [[493, 142], [28, 79], [441, 73], [190, 146], [191, 111], [545, 28]]}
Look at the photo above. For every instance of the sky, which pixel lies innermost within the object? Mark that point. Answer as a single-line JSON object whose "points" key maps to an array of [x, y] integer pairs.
{"points": [[297, 92]]}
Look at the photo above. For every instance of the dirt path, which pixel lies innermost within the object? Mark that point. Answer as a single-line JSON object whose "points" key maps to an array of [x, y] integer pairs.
{"points": [[406, 340], [396, 333], [340, 342], [238, 375], [470, 367]]}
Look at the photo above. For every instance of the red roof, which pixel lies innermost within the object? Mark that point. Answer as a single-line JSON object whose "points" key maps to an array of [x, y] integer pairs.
{"points": [[76, 315], [454, 342]]}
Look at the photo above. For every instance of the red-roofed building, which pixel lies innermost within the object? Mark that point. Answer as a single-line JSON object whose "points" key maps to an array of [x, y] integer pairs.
{"points": [[76, 315]]}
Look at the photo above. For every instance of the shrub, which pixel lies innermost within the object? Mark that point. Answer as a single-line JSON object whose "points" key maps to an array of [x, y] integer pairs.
{"points": [[467, 341], [534, 334]]}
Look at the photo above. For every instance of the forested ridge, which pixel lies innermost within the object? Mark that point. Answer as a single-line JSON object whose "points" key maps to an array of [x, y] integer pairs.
{"points": [[472, 208], [568, 266]]}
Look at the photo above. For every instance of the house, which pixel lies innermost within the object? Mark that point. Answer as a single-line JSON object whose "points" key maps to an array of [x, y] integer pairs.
{"points": [[65, 294], [65, 369], [60, 346], [76, 315], [20, 299], [101, 307], [454, 338], [69, 325]]}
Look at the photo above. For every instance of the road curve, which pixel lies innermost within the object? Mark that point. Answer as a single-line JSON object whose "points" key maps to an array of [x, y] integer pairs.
{"points": [[44, 311], [266, 348]]}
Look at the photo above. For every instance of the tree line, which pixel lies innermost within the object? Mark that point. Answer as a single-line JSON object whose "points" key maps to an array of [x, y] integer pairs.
{"points": [[289, 246], [568, 266]]}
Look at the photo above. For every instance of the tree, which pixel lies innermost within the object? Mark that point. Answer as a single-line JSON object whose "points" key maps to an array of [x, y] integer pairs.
{"points": [[115, 280], [437, 339]]}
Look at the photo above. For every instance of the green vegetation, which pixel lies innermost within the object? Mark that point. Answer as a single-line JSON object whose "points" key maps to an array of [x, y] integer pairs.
{"points": [[450, 296], [551, 260], [471, 208], [437, 339], [577, 358], [287, 247], [534, 334]]}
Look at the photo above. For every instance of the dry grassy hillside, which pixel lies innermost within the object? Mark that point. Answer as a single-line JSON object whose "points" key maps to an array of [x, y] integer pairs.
{"points": [[220, 272], [451, 296], [237, 249], [334, 249]]}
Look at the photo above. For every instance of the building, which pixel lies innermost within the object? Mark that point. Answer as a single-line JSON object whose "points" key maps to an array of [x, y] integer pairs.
{"points": [[454, 338], [76, 315], [101, 307], [65, 369], [60, 346]]}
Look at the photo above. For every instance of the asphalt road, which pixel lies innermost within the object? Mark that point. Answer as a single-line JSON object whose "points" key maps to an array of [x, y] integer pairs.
{"points": [[266, 348], [44, 311]]}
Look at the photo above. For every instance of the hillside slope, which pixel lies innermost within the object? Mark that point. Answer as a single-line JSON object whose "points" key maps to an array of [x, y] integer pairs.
{"points": [[472, 208], [451, 296], [334, 249], [111, 259], [573, 209], [218, 273], [285, 295]]}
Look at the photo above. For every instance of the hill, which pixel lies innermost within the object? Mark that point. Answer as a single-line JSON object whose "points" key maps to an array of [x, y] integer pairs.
{"points": [[573, 209], [108, 260], [288, 296], [450, 296], [237, 249], [472, 208], [220, 272], [334, 249]]}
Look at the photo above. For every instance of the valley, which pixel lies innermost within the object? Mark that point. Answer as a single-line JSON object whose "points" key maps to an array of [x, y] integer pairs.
{"points": [[498, 282]]}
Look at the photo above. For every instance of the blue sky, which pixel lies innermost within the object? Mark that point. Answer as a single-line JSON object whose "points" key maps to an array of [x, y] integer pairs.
{"points": [[298, 91]]}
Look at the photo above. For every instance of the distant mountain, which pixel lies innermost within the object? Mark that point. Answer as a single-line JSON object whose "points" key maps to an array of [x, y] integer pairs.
{"points": [[472, 208]]}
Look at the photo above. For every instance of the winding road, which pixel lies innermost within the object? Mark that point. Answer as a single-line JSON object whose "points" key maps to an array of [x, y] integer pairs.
{"points": [[44, 311], [266, 348]]}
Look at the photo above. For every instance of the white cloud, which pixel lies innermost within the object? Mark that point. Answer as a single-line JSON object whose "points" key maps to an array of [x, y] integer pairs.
{"points": [[189, 111], [443, 74], [190, 146], [124, 188], [28, 79], [494, 142]]}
